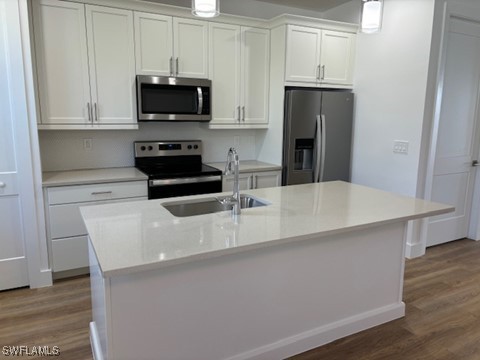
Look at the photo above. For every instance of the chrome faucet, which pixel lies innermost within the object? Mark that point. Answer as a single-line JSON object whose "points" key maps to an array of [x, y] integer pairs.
{"points": [[232, 159]]}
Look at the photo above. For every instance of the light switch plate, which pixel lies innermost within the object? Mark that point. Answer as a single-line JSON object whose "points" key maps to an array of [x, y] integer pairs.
{"points": [[400, 147]]}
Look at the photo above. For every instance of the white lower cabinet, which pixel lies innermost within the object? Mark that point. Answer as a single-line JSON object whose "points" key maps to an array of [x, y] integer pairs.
{"points": [[66, 231], [255, 180]]}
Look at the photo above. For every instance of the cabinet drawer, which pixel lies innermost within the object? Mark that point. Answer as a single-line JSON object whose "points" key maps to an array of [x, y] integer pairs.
{"points": [[66, 221], [96, 192], [71, 253]]}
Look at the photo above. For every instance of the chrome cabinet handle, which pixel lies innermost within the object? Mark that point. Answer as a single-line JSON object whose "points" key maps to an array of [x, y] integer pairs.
{"points": [[171, 65], [2, 184], [95, 111], [243, 113], [176, 66], [101, 192], [322, 77], [318, 72], [89, 112], [238, 112], [251, 182], [475, 163]]}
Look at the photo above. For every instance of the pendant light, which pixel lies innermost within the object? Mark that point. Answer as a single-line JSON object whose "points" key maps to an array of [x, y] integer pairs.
{"points": [[371, 16], [205, 8]]}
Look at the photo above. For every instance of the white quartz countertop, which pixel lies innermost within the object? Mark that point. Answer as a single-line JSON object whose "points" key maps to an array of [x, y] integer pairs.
{"points": [[91, 176], [143, 235], [249, 166]]}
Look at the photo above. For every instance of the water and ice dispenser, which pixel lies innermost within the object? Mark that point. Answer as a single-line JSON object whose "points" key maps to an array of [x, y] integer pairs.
{"points": [[304, 154]]}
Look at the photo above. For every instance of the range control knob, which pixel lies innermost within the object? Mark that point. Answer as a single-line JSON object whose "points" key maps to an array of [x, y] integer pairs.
{"points": [[143, 148], [189, 147], [195, 146], [150, 148]]}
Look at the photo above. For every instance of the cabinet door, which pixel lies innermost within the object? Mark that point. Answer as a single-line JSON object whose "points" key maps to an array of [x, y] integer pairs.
{"points": [[303, 54], [337, 57], [267, 179], [255, 75], [244, 182], [112, 65], [224, 69], [190, 48], [62, 62], [153, 44]]}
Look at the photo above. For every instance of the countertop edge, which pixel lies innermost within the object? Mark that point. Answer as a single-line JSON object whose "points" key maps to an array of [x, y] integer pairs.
{"points": [[270, 243], [81, 179]]}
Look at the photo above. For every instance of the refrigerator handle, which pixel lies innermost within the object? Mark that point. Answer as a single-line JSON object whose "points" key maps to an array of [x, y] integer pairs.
{"points": [[324, 140], [318, 150]]}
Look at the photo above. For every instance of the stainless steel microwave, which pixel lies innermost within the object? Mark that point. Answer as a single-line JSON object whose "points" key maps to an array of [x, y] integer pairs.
{"points": [[162, 98]]}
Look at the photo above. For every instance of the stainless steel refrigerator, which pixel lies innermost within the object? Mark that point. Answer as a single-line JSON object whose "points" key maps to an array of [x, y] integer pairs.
{"points": [[317, 138]]}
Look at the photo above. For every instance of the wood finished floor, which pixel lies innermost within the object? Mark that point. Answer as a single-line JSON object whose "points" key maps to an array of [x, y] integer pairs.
{"points": [[442, 294]]}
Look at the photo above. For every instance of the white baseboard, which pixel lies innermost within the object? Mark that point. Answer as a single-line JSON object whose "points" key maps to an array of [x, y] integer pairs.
{"points": [[414, 251], [95, 342], [323, 335]]}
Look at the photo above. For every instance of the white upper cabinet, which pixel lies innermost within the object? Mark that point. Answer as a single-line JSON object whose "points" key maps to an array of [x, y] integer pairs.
{"points": [[85, 66], [112, 65], [224, 61], [255, 75], [153, 44], [190, 48], [319, 57], [167, 46], [303, 54], [62, 62], [239, 59], [337, 57]]}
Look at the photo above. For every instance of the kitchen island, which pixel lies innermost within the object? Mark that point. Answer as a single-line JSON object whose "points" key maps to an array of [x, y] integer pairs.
{"points": [[319, 262]]}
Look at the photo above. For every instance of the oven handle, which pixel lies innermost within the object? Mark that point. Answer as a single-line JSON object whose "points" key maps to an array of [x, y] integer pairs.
{"points": [[179, 181], [200, 100]]}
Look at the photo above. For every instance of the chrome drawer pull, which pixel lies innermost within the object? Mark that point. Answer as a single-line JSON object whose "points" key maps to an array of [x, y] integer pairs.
{"points": [[101, 192]]}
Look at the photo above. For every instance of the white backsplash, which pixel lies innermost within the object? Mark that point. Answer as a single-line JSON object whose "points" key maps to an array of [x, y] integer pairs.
{"points": [[64, 150]]}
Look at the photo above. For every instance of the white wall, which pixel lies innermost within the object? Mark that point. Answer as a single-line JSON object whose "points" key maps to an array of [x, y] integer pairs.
{"points": [[348, 12], [390, 85], [63, 150], [250, 8]]}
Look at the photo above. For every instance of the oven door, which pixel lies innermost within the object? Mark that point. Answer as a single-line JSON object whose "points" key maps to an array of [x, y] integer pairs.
{"points": [[173, 99], [165, 188]]}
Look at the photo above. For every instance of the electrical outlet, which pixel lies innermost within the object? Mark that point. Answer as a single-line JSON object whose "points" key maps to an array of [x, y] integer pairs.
{"points": [[87, 144], [400, 147], [236, 141]]}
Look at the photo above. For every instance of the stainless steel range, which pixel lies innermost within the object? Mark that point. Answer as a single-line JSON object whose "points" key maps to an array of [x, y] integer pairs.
{"points": [[175, 168]]}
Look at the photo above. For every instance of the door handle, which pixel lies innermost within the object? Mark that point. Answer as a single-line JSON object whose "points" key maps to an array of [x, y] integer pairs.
{"points": [[318, 150], [475, 163], [324, 140]]}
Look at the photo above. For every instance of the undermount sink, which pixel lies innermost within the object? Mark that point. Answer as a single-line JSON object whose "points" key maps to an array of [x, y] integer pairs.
{"points": [[210, 205]]}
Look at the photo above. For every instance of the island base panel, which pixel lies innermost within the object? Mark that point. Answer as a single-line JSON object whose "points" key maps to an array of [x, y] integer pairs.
{"points": [[269, 303]]}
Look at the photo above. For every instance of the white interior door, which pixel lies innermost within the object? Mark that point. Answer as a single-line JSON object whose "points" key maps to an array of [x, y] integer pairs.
{"points": [[13, 262], [457, 140]]}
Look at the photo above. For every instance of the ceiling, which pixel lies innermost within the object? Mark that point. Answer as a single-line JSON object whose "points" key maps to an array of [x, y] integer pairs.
{"points": [[316, 5]]}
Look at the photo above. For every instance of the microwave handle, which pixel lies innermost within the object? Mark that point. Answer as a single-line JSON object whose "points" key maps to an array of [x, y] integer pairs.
{"points": [[200, 100]]}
